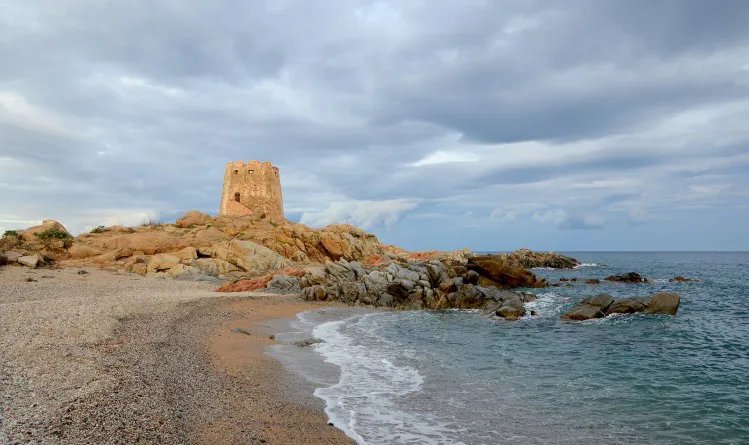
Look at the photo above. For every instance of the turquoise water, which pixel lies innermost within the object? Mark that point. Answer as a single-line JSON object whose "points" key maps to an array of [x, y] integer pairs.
{"points": [[455, 377]]}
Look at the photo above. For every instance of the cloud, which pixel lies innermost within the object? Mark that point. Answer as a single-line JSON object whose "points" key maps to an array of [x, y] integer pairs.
{"points": [[381, 113], [364, 214], [566, 221]]}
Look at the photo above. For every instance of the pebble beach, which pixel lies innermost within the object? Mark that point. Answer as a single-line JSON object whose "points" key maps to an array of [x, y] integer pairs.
{"points": [[90, 356]]}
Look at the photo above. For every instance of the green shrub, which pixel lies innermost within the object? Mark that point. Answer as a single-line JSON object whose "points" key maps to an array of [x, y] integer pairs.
{"points": [[99, 229], [11, 233], [52, 234], [208, 226], [273, 224], [191, 226]]}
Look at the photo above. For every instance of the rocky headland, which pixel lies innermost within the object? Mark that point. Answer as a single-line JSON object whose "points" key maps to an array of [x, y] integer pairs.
{"points": [[336, 263]]}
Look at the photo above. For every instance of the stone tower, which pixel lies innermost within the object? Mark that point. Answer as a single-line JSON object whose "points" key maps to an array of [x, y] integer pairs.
{"points": [[252, 188]]}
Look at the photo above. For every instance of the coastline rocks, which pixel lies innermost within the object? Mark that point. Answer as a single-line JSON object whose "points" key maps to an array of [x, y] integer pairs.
{"points": [[681, 279], [247, 256], [602, 305], [663, 303], [632, 277], [494, 270], [593, 281], [627, 306], [530, 259], [591, 307], [412, 285]]}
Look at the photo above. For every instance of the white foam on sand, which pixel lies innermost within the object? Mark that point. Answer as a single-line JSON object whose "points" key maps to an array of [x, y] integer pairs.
{"points": [[366, 402]]}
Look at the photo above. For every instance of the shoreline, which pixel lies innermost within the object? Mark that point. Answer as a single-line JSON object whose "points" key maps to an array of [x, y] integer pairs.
{"points": [[108, 358]]}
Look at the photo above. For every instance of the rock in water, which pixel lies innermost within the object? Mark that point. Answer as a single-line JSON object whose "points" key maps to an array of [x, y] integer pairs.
{"points": [[663, 303], [591, 307], [627, 306], [632, 277], [681, 279], [496, 271]]}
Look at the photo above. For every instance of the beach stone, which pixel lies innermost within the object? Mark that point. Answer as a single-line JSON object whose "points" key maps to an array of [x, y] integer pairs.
{"points": [[627, 306], [31, 261], [663, 303]]}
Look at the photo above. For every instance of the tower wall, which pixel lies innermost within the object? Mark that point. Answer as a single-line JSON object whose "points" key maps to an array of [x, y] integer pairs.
{"points": [[252, 187]]}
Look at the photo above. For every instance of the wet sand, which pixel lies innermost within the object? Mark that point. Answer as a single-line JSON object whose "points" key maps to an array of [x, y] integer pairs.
{"points": [[107, 358]]}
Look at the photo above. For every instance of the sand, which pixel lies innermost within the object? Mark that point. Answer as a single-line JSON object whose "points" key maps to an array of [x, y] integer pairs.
{"points": [[104, 358]]}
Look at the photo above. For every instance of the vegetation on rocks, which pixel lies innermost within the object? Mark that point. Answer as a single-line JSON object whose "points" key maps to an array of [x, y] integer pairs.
{"points": [[13, 233], [50, 234]]}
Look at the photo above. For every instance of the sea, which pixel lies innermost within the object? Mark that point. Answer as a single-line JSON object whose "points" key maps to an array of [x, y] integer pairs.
{"points": [[457, 377]]}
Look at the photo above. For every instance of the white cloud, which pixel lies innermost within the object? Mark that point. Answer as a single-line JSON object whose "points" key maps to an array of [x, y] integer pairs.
{"points": [[445, 157], [364, 214]]}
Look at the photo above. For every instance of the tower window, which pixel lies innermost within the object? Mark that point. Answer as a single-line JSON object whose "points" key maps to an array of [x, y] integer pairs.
{"points": [[236, 171], [251, 171], [236, 197]]}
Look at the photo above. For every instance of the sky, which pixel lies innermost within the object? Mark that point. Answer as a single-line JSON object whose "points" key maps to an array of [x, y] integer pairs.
{"points": [[493, 125]]}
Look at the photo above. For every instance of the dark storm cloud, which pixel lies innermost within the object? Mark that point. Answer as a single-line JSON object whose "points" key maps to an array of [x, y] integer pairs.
{"points": [[109, 109]]}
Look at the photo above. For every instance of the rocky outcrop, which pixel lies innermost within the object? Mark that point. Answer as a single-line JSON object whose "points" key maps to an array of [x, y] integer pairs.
{"points": [[194, 218], [496, 270], [591, 307], [602, 305], [31, 233], [632, 277], [663, 303], [530, 259], [411, 285], [3, 259]]}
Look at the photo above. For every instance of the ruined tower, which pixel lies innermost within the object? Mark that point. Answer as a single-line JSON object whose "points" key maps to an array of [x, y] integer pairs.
{"points": [[252, 188]]}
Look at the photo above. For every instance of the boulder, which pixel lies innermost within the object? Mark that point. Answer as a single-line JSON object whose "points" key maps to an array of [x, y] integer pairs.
{"points": [[182, 271], [194, 218], [31, 261], [283, 283], [13, 256], [632, 277], [663, 303], [314, 293], [30, 233], [591, 307], [593, 281], [161, 262], [510, 312], [528, 259], [627, 306], [3, 259], [249, 256], [496, 271], [188, 253]]}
